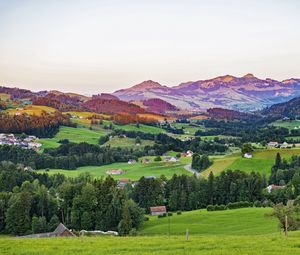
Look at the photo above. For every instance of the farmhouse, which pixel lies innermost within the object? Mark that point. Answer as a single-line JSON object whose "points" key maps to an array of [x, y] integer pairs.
{"points": [[115, 172], [146, 160], [170, 159], [248, 155], [131, 161], [273, 144], [60, 231], [123, 182], [158, 210], [274, 187]]}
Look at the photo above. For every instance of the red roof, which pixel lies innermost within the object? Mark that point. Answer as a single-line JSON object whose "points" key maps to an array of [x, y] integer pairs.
{"points": [[158, 209]]}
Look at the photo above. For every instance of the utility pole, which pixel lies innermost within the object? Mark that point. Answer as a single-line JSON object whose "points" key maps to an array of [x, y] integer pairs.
{"points": [[286, 225]]}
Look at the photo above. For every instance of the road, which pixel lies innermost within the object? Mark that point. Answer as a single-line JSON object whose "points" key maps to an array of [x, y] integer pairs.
{"points": [[191, 170]]}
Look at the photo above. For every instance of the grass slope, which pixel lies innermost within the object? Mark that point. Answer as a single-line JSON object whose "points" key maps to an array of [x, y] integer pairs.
{"points": [[246, 221], [127, 142], [134, 171], [262, 161], [75, 135]]}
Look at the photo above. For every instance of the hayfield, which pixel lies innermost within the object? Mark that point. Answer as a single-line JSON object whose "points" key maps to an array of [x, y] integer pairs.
{"points": [[262, 161], [132, 171]]}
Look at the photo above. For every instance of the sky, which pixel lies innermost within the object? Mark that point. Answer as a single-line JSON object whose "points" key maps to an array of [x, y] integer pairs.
{"points": [[100, 46]]}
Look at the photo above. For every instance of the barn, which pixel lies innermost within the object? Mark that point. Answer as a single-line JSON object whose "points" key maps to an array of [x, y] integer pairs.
{"points": [[60, 231]]}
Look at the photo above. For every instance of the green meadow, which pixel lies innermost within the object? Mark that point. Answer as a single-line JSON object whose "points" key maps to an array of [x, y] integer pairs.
{"points": [[132, 171], [76, 135], [249, 231], [262, 161], [127, 142], [246, 221], [287, 124]]}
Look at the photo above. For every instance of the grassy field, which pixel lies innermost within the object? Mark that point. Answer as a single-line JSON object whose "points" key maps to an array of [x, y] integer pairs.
{"points": [[142, 128], [262, 161], [248, 231], [287, 124], [4, 96], [246, 221], [272, 244], [132, 171], [75, 135], [32, 110], [127, 142]]}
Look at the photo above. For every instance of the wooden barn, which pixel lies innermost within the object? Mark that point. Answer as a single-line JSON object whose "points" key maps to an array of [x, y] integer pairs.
{"points": [[60, 231]]}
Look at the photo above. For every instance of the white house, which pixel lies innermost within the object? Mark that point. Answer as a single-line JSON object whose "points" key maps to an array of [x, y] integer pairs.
{"points": [[248, 155]]}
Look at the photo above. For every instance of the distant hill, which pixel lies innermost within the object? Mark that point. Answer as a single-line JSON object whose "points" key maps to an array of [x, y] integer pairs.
{"points": [[111, 106], [157, 105], [238, 93], [289, 109]]}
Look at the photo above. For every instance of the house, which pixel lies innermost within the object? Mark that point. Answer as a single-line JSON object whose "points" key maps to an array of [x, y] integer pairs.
{"points": [[123, 182], [170, 159], [274, 187], [158, 210], [60, 231], [248, 155], [273, 144], [115, 172], [189, 153], [131, 161], [284, 145], [146, 160]]}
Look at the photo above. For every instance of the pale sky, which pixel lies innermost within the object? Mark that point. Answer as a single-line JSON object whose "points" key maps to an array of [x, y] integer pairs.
{"points": [[101, 46]]}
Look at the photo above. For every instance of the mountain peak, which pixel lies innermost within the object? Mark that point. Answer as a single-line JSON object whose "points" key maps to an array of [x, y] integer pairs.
{"points": [[249, 76], [146, 85]]}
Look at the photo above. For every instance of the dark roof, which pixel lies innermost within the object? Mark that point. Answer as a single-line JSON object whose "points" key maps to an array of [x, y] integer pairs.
{"points": [[57, 232], [60, 229]]}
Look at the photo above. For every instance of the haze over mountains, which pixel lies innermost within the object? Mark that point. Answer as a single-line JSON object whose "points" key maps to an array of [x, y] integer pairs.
{"points": [[239, 93]]}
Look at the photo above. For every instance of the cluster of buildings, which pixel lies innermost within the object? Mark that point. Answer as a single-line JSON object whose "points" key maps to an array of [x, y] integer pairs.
{"points": [[284, 145], [28, 142]]}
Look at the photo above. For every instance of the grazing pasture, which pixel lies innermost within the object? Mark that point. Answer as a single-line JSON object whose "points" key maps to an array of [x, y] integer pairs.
{"points": [[245, 221], [76, 135], [262, 161], [132, 171], [287, 124], [127, 142]]}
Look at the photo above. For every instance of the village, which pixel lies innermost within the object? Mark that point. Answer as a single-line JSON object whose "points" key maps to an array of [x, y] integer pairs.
{"points": [[25, 142]]}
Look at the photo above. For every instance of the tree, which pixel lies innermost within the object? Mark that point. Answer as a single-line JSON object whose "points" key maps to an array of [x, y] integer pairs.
{"points": [[38, 224], [125, 224], [278, 160], [246, 148], [86, 221], [18, 219]]}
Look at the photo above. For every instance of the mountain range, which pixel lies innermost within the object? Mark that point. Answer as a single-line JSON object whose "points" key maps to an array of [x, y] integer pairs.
{"points": [[246, 93]]}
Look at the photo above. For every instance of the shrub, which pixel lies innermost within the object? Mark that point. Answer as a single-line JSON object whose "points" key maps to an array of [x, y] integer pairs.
{"points": [[133, 232], [257, 204], [179, 213], [170, 214], [158, 158], [210, 208], [159, 216], [164, 215], [146, 218]]}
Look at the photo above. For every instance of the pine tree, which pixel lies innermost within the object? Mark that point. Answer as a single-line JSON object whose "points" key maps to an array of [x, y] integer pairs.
{"points": [[125, 224]]}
